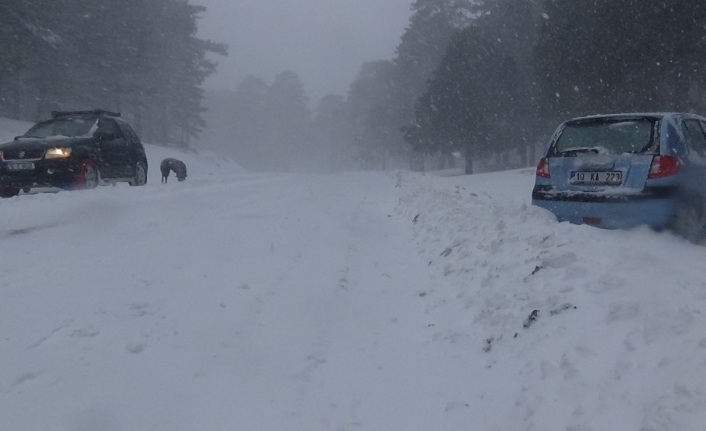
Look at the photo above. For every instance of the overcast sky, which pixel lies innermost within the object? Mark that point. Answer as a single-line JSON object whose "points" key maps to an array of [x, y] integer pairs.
{"points": [[324, 41]]}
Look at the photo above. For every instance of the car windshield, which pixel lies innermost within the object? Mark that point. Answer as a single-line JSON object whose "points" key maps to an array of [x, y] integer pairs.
{"points": [[611, 136], [70, 127]]}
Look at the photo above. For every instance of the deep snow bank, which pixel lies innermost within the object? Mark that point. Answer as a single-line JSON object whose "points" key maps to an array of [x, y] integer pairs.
{"points": [[565, 327]]}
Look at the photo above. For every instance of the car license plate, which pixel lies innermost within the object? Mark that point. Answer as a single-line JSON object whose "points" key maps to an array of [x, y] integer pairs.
{"points": [[19, 166], [597, 178]]}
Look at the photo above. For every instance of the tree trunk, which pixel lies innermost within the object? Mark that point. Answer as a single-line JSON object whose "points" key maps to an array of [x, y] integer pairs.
{"points": [[3, 106], [416, 161], [442, 161], [164, 128], [523, 155], [16, 101], [468, 159], [41, 102], [138, 123], [532, 154], [506, 159], [446, 160]]}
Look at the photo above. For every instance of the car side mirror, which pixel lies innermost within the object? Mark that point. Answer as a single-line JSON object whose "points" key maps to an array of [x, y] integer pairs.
{"points": [[17, 138]]}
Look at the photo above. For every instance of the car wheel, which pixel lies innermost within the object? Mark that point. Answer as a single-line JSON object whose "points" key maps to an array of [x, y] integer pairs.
{"points": [[140, 175], [8, 192], [86, 176], [689, 220]]}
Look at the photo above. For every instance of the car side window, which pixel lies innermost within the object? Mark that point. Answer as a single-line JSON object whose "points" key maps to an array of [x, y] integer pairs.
{"points": [[110, 126], [696, 136], [129, 133]]}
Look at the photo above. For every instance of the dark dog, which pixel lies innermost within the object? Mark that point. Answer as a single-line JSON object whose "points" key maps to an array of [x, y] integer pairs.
{"points": [[175, 165]]}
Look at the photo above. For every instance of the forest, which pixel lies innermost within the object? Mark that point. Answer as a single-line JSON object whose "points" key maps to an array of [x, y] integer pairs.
{"points": [[470, 80], [477, 81], [140, 57]]}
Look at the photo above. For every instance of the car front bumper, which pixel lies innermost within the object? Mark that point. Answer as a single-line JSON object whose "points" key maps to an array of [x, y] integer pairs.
{"points": [[46, 173]]}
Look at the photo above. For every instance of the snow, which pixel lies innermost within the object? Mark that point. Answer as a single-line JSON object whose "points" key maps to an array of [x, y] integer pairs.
{"points": [[370, 301]]}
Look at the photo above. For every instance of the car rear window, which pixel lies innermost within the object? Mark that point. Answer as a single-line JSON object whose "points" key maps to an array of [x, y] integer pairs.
{"points": [[607, 136]]}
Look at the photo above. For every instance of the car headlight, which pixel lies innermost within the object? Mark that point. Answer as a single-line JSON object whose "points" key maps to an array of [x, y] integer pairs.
{"points": [[58, 153]]}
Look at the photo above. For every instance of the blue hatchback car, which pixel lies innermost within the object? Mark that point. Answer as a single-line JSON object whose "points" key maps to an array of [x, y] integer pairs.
{"points": [[621, 171]]}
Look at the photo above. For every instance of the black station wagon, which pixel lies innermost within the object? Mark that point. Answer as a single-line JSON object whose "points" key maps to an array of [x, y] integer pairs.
{"points": [[73, 150]]}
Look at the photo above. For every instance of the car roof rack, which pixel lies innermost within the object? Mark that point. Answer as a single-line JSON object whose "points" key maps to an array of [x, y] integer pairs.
{"points": [[96, 112]]}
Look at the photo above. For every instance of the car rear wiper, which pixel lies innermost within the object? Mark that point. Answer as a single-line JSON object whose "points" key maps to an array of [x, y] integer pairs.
{"points": [[645, 148], [573, 152]]}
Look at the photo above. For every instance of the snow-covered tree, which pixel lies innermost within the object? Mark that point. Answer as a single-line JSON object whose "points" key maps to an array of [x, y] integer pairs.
{"points": [[599, 56], [422, 46], [469, 103], [333, 132], [137, 56], [375, 121]]}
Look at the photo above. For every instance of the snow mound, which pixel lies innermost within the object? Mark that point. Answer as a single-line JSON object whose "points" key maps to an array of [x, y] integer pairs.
{"points": [[564, 327]]}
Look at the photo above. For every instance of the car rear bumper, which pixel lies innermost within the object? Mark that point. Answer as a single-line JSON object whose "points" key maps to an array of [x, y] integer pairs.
{"points": [[45, 174], [654, 207]]}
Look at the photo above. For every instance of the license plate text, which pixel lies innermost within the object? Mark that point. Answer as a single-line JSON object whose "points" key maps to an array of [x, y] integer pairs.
{"points": [[612, 178]]}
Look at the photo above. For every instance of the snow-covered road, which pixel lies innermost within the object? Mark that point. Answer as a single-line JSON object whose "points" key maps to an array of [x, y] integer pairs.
{"points": [[364, 301], [268, 302]]}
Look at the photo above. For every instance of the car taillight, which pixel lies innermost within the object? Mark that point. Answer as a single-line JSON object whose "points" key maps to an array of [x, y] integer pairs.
{"points": [[663, 166], [543, 168]]}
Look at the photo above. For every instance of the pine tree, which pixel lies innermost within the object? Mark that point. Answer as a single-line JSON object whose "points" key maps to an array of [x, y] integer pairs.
{"points": [[515, 26], [375, 120], [333, 133], [468, 105], [136, 56], [15, 40], [249, 124], [422, 46], [601, 56]]}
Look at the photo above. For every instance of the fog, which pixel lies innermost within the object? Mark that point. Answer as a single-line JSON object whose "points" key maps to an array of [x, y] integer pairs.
{"points": [[321, 45], [323, 41]]}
